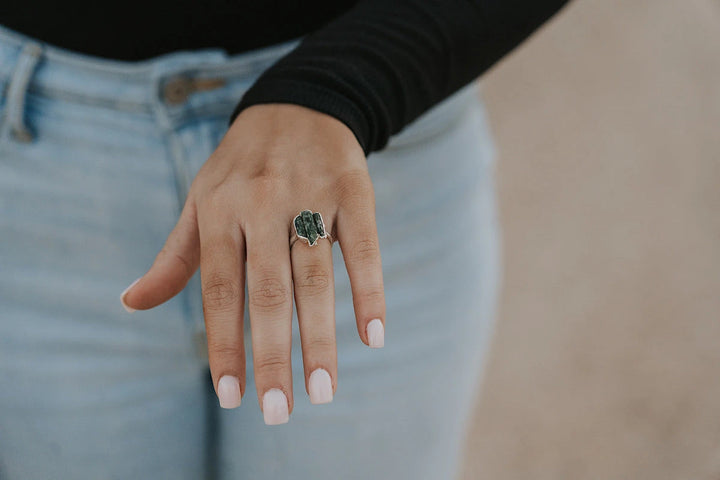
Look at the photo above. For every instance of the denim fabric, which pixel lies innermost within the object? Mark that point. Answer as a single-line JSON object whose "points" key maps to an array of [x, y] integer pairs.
{"points": [[95, 161]]}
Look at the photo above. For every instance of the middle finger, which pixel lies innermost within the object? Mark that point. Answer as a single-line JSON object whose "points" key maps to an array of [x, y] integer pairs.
{"points": [[269, 278]]}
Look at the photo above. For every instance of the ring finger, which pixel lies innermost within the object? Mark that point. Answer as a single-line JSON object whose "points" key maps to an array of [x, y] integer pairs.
{"points": [[314, 286]]}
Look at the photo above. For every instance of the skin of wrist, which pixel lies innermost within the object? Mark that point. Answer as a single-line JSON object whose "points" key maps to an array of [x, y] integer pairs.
{"points": [[289, 121]]}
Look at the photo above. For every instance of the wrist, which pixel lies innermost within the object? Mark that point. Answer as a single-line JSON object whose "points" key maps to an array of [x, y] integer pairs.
{"points": [[303, 126]]}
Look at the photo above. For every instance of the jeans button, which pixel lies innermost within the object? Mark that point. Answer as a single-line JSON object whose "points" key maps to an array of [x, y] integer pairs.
{"points": [[177, 90]]}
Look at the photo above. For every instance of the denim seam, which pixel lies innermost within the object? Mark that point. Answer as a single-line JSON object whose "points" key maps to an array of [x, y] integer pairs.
{"points": [[179, 164], [14, 110]]}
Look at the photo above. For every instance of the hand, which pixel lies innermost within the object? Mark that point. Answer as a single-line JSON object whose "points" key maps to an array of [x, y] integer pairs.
{"points": [[274, 161]]}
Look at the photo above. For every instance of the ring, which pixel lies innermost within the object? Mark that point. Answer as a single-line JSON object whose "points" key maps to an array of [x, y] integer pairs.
{"points": [[309, 226]]}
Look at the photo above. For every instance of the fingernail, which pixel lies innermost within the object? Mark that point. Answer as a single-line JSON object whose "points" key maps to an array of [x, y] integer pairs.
{"points": [[320, 386], [229, 392], [375, 333], [122, 297], [275, 407]]}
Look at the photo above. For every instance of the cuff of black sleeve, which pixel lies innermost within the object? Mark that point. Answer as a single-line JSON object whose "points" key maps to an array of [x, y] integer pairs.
{"points": [[278, 90]]}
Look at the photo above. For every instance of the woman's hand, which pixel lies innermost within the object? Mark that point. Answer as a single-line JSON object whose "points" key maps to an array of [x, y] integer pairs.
{"points": [[274, 161]]}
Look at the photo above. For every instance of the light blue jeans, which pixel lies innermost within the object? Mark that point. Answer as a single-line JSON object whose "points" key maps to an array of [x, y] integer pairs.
{"points": [[96, 157]]}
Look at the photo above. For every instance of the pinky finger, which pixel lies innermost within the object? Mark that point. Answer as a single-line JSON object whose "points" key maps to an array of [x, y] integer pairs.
{"points": [[358, 239]]}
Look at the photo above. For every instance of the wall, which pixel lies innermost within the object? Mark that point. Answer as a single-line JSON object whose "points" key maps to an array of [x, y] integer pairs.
{"points": [[606, 363]]}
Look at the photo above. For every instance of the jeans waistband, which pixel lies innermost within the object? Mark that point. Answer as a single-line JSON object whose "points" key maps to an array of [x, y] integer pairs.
{"points": [[159, 85], [125, 82], [28, 64]]}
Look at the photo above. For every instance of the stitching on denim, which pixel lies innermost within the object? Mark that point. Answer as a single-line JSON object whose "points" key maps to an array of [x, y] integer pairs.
{"points": [[14, 116]]}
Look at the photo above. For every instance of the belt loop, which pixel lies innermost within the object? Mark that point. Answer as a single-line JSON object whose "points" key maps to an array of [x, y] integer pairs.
{"points": [[17, 88]]}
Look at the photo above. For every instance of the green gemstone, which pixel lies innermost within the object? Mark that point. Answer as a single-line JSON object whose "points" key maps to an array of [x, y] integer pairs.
{"points": [[319, 224], [300, 227], [309, 226]]}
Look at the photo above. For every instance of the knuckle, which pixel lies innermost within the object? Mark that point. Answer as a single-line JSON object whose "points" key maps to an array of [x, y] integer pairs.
{"points": [[220, 292], [321, 342], [373, 295], [224, 349], [268, 181], [365, 251], [268, 171], [272, 362], [269, 293], [314, 280]]}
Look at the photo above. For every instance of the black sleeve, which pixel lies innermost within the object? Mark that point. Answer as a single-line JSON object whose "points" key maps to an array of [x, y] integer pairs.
{"points": [[383, 63]]}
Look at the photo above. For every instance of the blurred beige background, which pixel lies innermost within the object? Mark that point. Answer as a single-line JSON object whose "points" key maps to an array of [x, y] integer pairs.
{"points": [[606, 363]]}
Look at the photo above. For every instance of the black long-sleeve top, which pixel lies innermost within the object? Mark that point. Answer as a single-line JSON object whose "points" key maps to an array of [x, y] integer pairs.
{"points": [[376, 65]]}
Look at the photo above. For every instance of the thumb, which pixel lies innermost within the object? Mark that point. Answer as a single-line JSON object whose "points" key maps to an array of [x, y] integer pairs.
{"points": [[173, 267]]}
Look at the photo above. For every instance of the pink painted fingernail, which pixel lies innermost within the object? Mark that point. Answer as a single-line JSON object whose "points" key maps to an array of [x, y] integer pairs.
{"points": [[320, 386], [375, 333], [229, 392], [275, 407], [122, 297]]}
